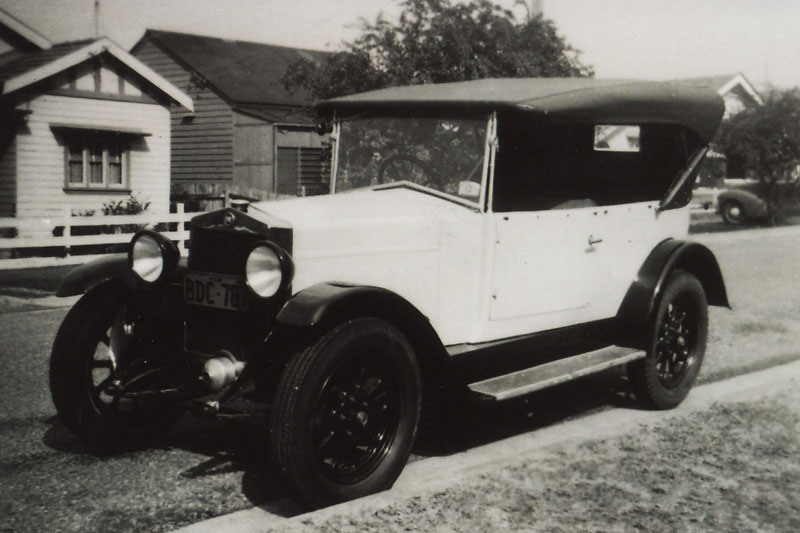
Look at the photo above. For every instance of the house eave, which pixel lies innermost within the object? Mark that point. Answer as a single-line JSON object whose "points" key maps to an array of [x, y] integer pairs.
{"points": [[93, 49]]}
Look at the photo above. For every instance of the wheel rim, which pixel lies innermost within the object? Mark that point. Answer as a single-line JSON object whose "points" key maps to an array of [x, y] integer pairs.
{"points": [[356, 417], [733, 212], [676, 342], [104, 366]]}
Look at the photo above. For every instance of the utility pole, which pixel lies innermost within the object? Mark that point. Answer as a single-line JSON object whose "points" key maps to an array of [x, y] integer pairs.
{"points": [[537, 7], [96, 19]]}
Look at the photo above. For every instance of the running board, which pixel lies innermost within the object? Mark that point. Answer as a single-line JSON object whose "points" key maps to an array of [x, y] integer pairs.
{"points": [[554, 373]]}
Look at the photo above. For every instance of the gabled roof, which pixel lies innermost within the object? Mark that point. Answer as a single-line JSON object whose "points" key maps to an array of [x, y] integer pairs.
{"points": [[585, 99], [724, 84], [23, 70], [19, 35], [241, 72], [15, 63]]}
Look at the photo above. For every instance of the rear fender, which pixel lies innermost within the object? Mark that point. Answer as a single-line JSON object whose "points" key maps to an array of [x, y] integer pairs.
{"points": [[635, 315]]}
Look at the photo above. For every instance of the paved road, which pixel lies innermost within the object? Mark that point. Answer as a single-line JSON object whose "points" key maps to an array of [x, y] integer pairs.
{"points": [[207, 468]]}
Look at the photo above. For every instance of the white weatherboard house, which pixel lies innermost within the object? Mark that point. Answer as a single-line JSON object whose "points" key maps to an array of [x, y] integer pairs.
{"points": [[82, 124]]}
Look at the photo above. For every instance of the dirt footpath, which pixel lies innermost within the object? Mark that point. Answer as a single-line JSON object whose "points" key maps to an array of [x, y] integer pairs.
{"points": [[725, 460]]}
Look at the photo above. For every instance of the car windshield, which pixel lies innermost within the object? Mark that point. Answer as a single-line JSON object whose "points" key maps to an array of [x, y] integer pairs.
{"points": [[444, 155]]}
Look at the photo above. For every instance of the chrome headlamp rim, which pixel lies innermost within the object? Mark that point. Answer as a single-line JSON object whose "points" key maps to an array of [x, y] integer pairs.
{"points": [[285, 265], [160, 248]]}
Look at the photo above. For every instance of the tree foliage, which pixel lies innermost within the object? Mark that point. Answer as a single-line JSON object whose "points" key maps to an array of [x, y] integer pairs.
{"points": [[764, 142], [436, 41]]}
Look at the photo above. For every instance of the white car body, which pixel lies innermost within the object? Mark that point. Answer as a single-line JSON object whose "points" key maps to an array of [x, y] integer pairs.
{"points": [[478, 277]]}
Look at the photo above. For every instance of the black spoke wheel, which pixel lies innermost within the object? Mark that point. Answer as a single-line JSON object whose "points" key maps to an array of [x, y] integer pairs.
{"points": [[346, 412], [678, 341], [91, 353]]}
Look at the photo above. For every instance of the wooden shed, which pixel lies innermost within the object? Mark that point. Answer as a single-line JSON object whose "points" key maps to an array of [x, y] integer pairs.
{"points": [[82, 124], [248, 136]]}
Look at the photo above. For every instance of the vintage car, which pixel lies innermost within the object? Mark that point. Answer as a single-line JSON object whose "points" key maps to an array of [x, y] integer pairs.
{"points": [[743, 200], [487, 238], [740, 201]]}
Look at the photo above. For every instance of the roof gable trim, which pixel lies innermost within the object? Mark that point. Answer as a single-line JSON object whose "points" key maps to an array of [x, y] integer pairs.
{"points": [[23, 31], [91, 50], [741, 81]]}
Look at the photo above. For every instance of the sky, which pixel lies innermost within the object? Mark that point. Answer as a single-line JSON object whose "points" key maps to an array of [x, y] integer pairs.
{"points": [[646, 39]]}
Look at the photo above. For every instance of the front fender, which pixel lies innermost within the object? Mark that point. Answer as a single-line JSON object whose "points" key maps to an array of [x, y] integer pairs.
{"points": [[326, 304], [84, 277], [636, 311]]}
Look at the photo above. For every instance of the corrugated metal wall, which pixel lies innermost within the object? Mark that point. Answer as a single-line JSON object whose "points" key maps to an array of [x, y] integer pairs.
{"points": [[303, 171]]}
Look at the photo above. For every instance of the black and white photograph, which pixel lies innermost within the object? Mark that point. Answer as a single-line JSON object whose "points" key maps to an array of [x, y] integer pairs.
{"points": [[399, 265]]}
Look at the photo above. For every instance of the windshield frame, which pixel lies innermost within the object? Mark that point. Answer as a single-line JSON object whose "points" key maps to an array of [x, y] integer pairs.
{"points": [[489, 147]]}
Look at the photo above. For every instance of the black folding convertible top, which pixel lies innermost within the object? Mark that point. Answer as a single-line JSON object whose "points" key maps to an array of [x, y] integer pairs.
{"points": [[582, 99]]}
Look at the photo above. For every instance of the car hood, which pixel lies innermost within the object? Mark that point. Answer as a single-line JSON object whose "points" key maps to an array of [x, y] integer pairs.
{"points": [[381, 238], [357, 208]]}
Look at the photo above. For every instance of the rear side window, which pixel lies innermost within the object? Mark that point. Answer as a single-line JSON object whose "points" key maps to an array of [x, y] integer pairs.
{"points": [[616, 138], [552, 166]]}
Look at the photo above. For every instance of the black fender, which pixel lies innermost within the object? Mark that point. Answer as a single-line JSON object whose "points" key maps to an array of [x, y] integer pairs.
{"points": [[110, 267], [82, 278], [324, 305], [635, 315]]}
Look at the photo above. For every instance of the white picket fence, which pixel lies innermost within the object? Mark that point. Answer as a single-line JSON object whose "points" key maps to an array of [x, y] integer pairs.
{"points": [[35, 234]]}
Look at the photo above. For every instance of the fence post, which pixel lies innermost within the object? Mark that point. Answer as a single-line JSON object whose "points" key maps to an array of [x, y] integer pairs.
{"points": [[181, 227], [67, 231]]}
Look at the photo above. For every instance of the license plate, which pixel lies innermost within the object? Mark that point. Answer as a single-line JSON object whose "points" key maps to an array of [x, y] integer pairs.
{"points": [[214, 290]]}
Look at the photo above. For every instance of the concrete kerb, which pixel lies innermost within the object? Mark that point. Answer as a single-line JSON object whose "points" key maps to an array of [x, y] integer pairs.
{"points": [[16, 303], [438, 473], [755, 233]]}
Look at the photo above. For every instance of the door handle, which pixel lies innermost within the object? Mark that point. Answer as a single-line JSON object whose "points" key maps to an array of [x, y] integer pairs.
{"points": [[594, 240]]}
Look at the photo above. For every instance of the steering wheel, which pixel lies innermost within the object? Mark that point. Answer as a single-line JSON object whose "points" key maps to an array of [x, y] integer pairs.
{"points": [[428, 175]]}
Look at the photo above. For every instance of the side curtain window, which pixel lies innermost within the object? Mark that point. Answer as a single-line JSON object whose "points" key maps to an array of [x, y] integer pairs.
{"points": [[558, 166]]}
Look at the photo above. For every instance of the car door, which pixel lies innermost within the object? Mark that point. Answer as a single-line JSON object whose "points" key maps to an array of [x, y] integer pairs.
{"points": [[543, 269]]}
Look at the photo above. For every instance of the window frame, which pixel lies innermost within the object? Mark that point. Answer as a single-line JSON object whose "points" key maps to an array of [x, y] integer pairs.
{"points": [[108, 146]]}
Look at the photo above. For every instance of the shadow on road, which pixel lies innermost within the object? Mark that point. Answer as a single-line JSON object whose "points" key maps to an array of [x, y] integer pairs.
{"points": [[239, 445]]}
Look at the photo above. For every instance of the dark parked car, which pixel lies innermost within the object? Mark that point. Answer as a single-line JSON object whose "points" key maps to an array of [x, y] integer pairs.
{"points": [[743, 201], [493, 237]]}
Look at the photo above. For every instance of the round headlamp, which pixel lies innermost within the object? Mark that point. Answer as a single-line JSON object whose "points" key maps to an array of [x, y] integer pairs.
{"points": [[151, 256], [264, 270]]}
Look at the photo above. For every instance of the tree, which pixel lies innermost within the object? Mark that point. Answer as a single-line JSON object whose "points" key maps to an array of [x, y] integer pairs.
{"points": [[435, 41], [764, 141]]}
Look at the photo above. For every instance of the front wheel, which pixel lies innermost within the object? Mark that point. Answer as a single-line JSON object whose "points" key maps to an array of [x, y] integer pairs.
{"points": [[677, 346], [92, 352], [346, 412]]}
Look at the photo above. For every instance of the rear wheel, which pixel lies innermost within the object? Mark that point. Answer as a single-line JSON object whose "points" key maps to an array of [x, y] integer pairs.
{"points": [[677, 347], [732, 212], [346, 412]]}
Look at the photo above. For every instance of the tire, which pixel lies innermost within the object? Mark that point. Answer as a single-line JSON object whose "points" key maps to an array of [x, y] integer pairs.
{"points": [[88, 355], [732, 212], [677, 347], [346, 413]]}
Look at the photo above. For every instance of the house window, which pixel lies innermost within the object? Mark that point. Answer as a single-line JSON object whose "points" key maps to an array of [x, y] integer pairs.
{"points": [[96, 163]]}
